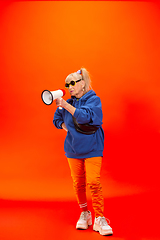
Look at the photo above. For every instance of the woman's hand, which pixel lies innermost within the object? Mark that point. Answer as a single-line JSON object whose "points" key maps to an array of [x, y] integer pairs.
{"points": [[64, 127], [60, 102]]}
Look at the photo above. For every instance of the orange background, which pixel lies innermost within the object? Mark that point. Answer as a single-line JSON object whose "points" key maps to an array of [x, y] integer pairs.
{"points": [[40, 44]]}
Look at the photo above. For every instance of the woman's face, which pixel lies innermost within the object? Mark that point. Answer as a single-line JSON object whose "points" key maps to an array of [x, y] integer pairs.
{"points": [[78, 89]]}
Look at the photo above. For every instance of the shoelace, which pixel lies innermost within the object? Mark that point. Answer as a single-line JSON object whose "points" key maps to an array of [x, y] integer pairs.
{"points": [[84, 215], [104, 221]]}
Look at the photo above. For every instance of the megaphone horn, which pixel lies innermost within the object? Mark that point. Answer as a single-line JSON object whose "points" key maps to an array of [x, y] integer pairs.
{"points": [[49, 96]]}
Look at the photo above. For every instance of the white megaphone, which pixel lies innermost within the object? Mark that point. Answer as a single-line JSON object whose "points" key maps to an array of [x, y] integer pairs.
{"points": [[48, 97]]}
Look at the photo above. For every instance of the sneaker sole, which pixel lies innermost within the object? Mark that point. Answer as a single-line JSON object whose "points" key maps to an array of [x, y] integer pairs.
{"points": [[84, 227], [81, 228], [103, 232]]}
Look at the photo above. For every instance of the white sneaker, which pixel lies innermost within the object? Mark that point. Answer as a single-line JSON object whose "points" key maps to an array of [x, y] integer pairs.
{"points": [[85, 220], [101, 226]]}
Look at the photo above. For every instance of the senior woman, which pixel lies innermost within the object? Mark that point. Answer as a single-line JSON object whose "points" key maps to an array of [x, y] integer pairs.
{"points": [[81, 117]]}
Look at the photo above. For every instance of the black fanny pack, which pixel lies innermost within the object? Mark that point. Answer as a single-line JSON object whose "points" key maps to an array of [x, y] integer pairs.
{"points": [[84, 128]]}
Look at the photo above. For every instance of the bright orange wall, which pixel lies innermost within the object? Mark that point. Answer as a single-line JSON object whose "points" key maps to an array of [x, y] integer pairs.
{"points": [[40, 44]]}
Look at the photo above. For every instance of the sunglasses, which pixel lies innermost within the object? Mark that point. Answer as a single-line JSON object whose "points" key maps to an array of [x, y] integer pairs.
{"points": [[72, 83]]}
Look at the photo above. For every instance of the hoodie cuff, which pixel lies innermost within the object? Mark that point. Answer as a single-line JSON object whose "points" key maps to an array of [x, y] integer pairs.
{"points": [[60, 124]]}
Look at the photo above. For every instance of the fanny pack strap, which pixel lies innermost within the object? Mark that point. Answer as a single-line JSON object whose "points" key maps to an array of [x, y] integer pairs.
{"points": [[84, 128]]}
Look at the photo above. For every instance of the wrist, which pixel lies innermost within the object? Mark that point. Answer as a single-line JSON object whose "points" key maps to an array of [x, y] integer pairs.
{"points": [[65, 104]]}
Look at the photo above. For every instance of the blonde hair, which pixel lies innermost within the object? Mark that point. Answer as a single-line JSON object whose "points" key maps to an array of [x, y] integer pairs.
{"points": [[81, 74]]}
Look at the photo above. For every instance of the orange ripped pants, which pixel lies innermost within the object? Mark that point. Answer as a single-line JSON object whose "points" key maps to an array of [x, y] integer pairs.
{"points": [[87, 172]]}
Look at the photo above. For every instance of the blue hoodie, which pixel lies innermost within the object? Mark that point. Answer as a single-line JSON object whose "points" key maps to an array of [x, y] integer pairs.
{"points": [[88, 110]]}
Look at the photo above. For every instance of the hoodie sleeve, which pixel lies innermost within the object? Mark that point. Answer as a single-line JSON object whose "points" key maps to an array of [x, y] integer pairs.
{"points": [[58, 119], [90, 112]]}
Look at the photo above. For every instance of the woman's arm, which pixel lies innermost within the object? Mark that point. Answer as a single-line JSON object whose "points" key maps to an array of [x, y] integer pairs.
{"points": [[91, 112], [60, 102]]}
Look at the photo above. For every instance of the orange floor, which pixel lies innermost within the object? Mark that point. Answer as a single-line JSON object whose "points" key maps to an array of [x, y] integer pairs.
{"points": [[132, 217]]}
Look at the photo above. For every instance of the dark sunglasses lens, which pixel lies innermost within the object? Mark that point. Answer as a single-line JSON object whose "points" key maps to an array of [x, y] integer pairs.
{"points": [[72, 83], [67, 85]]}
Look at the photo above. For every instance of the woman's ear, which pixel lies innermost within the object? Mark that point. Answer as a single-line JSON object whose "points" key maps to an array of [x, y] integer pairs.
{"points": [[83, 83]]}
